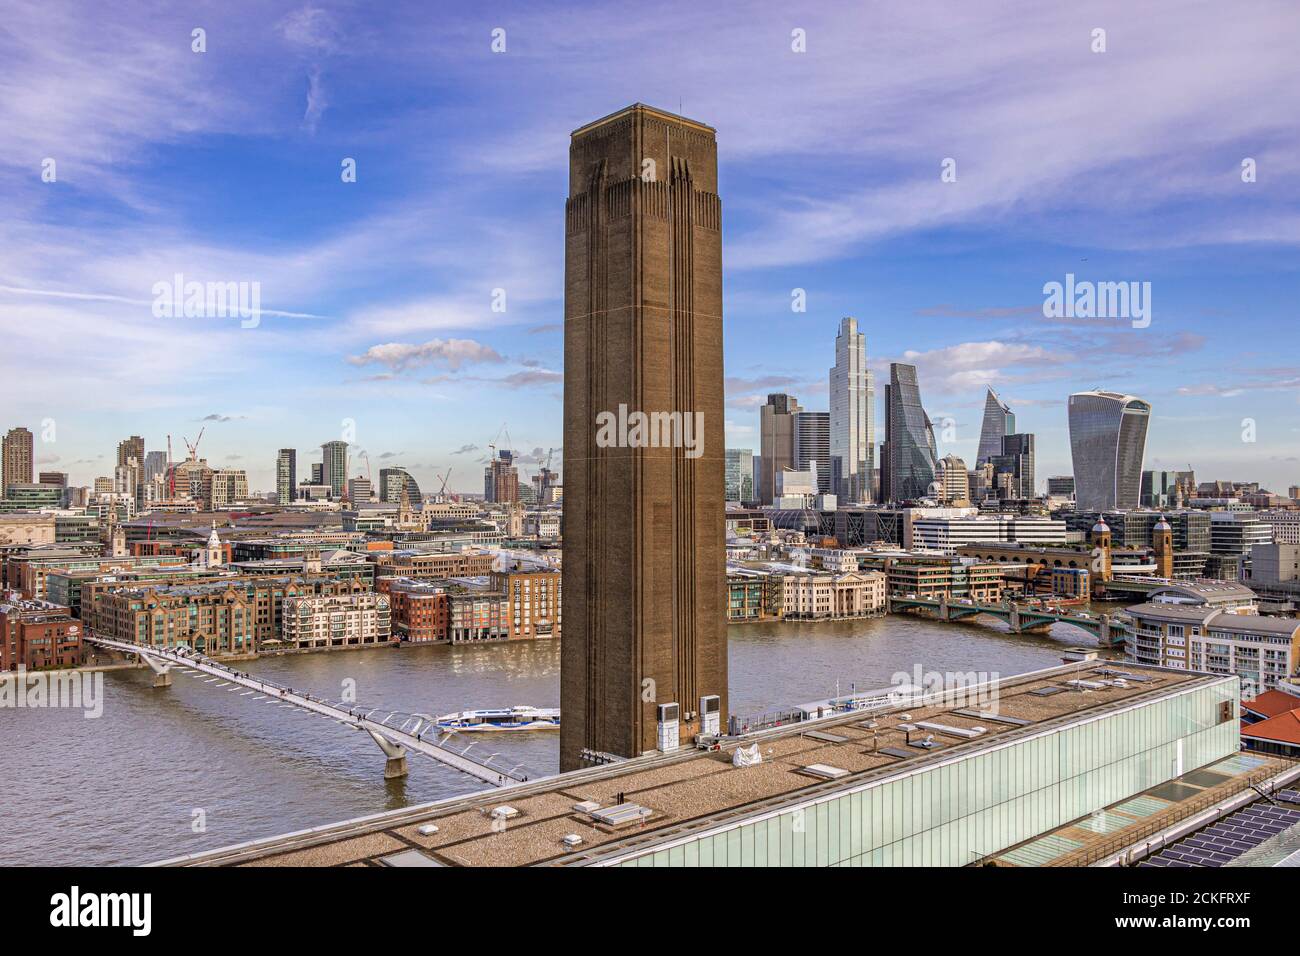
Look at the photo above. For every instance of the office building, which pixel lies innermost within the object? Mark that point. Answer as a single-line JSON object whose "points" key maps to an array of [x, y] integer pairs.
{"points": [[949, 529], [776, 442], [999, 421], [1108, 433], [740, 474], [359, 490], [1060, 486], [15, 459], [393, 481], [1236, 532], [852, 416], [812, 444], [1286, 525], [229, 487], [1015, 459], [644, 572], [954, 480], [796, 489], [286, 476], [334, 467], [910, 458], [1161, 489], [155, 466]]}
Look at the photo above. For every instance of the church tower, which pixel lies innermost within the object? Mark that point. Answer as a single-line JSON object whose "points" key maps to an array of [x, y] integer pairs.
{"points": [[1162, 540], [1101, 566], [213, 553]]}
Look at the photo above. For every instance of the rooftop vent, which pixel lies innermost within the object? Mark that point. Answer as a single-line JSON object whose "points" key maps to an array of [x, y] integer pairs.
{"points": [[621, 814], [504, 812], [405, 858], [825, 771], [428, 829], [587, 806], [571, 840], [951, 731], [1087, 684]]}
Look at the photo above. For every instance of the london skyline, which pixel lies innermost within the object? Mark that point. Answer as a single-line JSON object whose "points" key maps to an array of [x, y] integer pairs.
{"points": [[379, 293]]}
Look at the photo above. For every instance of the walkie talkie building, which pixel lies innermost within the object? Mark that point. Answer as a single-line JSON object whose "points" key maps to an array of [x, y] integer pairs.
{"points": [[1108, 436]]}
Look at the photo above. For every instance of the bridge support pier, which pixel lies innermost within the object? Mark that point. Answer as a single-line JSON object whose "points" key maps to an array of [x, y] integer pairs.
{"points": [[162, 670], [396, 763]]}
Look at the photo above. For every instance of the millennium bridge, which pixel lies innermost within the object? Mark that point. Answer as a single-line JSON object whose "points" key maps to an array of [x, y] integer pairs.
{"points": [[394, 733]]}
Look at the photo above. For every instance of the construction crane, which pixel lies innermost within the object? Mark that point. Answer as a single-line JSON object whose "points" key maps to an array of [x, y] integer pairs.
{"points": [[492, 445], [171, 471], [194, 448], [442, 491]]}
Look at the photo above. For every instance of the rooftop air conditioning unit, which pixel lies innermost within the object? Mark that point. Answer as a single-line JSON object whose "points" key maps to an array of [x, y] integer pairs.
{"points": [[710, 714], [669, 727]]}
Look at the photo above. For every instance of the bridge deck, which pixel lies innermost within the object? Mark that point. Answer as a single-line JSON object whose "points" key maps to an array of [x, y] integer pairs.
{"points": [[357, 717]]}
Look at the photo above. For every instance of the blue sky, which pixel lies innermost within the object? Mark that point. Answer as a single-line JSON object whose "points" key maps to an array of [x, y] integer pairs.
{"points": [[225, 166]]}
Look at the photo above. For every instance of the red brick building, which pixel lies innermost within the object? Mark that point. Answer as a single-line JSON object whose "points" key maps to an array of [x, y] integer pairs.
{"points": [[37, 635], [420, 611]]}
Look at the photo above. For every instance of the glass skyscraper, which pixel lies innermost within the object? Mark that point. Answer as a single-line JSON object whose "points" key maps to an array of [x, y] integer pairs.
{"points": [[1016, 458], [1108, 435], [812, 442], [853, 416], [740, 474], [999, 421], [909, 438]]}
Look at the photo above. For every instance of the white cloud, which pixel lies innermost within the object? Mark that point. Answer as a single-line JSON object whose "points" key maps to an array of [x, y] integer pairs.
{"points": [[447, 353]]}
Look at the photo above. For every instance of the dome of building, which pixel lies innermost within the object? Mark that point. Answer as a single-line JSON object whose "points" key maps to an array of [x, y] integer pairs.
{"points": [[1101, 527], [1162, 525]]}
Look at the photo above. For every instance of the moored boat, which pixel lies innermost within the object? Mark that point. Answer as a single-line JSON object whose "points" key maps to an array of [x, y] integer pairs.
{"points": [[509, 718]]}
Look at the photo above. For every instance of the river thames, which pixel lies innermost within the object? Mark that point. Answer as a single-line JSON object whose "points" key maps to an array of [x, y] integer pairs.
{"points": [[164, 772]]}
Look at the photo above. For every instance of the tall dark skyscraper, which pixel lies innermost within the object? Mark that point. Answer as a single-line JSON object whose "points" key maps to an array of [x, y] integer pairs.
{"points": [[910, 451], [644, 573]]}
